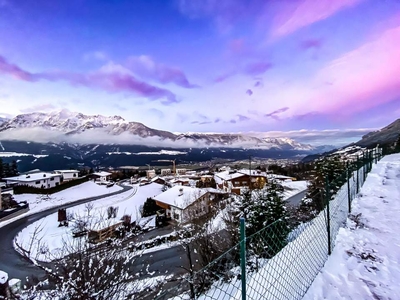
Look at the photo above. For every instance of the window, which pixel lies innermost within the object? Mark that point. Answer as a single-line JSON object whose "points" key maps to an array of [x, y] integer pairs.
{"points": [[52, 179], [237, 182], [74, 175], [37, 182], [57, 183]]}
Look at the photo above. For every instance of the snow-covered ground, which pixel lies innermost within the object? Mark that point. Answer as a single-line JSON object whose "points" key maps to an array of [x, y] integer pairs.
{"points": [[365, 264], [53, 237], [41, 202], [293, 187]]}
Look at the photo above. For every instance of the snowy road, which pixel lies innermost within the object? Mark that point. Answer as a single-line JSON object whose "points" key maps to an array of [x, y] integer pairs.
{"points": [[296, 199], [10, 260]]}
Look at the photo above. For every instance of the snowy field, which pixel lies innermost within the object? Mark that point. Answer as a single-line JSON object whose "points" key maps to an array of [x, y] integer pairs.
{"points": [[53, 237], [365, 264], [41, 202]]}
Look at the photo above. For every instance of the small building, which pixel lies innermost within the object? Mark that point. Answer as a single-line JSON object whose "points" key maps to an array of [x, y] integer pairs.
{"points": [[100, 176], [68, 174], [183, 203], [166, 172], [150, 174], [180, 171], [103, 230], [180, 181], [38, 180], [235, 180]]}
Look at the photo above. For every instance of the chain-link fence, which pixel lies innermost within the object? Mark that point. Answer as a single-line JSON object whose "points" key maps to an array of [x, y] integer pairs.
{"points": [[279, 261]]}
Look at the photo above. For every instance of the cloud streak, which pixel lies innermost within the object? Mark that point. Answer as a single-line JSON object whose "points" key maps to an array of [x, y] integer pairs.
{"points": [[306, 13], [146, 67], [275, 113], [111, 80]]}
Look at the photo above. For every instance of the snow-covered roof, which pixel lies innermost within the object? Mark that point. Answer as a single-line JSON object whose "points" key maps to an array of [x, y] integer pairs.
{"points": [[180, 196], [102, 224], [66, 171], [32, 177], [102, 173], [279, 176], [252, 172], [3, 277], [207, 176], [215, 191], [226, 176]]}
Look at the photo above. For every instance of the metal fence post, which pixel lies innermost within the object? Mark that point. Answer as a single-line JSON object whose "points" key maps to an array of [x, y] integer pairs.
{"points": [[243, 256], [358, 174], [348, 187], [328, 212]]}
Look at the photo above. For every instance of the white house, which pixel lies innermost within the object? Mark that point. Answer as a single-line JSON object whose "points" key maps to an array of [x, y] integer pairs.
{"points": [[39, 180], [68, 174], [101, 176], [183, 202], [150, 174]]}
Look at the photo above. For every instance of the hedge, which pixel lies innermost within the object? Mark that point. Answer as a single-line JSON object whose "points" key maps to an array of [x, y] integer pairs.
{"points": [[25, 189]]}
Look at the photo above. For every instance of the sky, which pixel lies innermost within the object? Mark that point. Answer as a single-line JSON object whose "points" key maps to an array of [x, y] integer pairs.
{"points": [[301, 68]]}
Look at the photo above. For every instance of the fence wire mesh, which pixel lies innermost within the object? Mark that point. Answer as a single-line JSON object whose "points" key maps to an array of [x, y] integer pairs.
{"points": [[281, 262]]}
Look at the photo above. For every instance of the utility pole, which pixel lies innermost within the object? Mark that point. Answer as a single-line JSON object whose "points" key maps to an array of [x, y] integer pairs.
{"points": [[250, 187]]}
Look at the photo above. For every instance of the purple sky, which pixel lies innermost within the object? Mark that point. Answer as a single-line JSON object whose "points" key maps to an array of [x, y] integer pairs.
{"points": [[300, 66]]}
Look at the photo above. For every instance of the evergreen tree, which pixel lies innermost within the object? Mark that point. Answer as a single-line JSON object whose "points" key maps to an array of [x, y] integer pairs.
{"points": [[6, 170], [1, 168], [331, 170], [14, 168], [397, 147], [150, 208]]}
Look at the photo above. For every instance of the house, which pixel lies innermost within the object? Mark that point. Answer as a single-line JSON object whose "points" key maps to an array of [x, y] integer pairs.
{"points": [[234, 181], [183, 203], [68, 174], [180, 181], [159, 180], [38, 180], [150, 174], [100, 176]]}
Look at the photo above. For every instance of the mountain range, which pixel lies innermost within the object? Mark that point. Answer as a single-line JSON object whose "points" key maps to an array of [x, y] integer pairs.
{"points": [[63, 140], [69, 124]]}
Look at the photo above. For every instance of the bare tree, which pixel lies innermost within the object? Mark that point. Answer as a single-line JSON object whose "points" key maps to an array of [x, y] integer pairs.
{"points": [[81, 270]]}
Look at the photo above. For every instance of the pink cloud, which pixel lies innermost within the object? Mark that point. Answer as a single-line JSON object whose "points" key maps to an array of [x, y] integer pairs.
{"points": [[146, 67], [111, 78], [311, 43], [363, 78], [257, 68], [15, 71], [306, 13]]}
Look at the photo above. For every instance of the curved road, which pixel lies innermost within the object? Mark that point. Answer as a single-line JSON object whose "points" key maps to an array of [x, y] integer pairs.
{"points": [[15, 264]]}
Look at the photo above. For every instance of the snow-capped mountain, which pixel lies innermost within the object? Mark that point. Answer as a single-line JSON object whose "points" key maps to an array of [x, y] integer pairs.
{"points": [[74, 123], [70, 124]]}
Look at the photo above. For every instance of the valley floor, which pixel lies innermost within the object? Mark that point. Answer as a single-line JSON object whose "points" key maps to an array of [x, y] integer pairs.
{"points": [[365, 264]]}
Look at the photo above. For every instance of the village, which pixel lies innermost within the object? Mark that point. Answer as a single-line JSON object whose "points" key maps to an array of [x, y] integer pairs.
{"points": [[153, 204]]}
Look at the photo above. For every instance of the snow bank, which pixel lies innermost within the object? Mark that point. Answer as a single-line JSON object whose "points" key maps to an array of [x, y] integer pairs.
{"points": [[293, 187], [3, 277], [365, 264]]}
